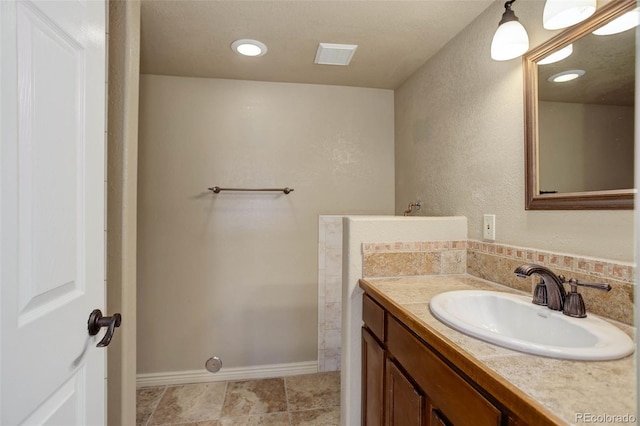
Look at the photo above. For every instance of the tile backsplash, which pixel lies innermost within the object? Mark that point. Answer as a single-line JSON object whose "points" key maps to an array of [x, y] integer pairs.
{"points": [[496, 262], [414, 258]]}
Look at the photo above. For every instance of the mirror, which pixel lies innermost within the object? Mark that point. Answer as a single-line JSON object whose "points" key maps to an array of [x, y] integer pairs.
{"points": [[579, 134]]}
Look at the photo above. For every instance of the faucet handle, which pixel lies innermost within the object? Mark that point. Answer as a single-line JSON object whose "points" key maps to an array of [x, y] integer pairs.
{"points": [[540, 296], [574, 303], [598, 286]]}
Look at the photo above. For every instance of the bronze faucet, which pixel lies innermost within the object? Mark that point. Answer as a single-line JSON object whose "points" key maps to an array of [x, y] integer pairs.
{"points": [[552, 283], [550, 290]]}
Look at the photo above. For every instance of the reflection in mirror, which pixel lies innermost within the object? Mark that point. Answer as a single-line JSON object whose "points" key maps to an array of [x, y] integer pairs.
{"points": [[585, 125], [579, 117]]}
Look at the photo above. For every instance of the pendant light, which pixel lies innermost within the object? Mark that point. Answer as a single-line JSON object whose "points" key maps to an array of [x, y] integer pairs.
{"points": [[511, 39], [564, 13]]}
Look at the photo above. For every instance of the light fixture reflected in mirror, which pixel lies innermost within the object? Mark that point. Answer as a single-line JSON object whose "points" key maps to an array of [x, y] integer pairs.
{"points": [[625, 22], [565, 76], [557, 56], [511, 39], [564, 13]]}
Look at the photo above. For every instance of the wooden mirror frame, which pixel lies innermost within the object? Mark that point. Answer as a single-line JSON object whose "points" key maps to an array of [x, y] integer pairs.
{"points": [[593, 200]]}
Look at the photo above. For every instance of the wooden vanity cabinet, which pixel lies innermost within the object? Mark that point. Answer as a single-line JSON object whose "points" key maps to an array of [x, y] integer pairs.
{"points": [[373, 363], [373, 368], [406, 383], [405, 404]]}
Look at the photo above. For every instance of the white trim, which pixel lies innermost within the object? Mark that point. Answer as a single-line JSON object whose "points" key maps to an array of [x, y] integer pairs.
{"points": [[233, 373]]}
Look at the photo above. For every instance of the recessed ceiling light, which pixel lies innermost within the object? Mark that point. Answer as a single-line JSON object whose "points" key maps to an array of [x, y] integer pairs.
{"points": [[248, 47], [557, 56], [625, 22], [564, 76]]}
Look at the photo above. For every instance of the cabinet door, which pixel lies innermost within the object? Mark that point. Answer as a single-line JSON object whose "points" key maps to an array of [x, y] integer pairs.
{"points": [[460, 402], [405, 405], [373, 356], [437, 418]]}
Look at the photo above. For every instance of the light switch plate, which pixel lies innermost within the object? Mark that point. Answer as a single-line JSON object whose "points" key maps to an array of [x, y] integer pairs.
{"points": [[489, 227]]}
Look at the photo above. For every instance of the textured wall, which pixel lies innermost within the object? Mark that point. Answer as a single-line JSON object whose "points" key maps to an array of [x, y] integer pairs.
{"points": [[460, 147], [235, 275]]}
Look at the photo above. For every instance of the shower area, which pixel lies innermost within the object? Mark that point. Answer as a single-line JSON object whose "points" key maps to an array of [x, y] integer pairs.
{"points": [[234, 274]]}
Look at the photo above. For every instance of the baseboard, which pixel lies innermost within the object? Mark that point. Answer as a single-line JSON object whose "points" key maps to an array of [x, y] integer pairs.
{"points": [[225, 374]]}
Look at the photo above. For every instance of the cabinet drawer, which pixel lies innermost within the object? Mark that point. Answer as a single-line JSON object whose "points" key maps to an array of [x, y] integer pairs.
{"points": [[373, 316], [442, 385]]}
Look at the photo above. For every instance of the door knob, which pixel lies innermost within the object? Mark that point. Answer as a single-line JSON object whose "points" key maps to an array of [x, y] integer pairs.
{"points": [[97, 321]]}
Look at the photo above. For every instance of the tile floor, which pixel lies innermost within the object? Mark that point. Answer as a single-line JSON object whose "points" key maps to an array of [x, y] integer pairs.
{"points": [[312, 399]]}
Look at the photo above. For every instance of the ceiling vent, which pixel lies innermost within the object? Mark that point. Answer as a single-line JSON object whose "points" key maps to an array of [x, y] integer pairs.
{"points": [[335, 54]]}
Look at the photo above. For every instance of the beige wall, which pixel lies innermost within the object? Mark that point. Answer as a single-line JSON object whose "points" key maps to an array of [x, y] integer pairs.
{"points": [[585, 147], [122, 166], [235, 275], [460, 147]]}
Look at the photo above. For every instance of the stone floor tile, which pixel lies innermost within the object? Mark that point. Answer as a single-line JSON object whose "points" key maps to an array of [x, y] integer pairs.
{"points": [[190, 403], [146, 401], [254, 397], [274, 419], [312, 400], [319, 417], [312, 391]]}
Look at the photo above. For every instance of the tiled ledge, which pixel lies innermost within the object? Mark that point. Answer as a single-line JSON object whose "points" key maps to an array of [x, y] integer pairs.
{"points": [[413, 246], [414, 258], [496, 262]]}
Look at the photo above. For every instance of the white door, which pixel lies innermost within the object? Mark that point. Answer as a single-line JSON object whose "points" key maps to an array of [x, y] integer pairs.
{"points": [[52, 224]]}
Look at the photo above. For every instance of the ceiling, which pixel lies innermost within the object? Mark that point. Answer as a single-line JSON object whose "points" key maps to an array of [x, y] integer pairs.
{"points": [[609, 62], [192, 38]]}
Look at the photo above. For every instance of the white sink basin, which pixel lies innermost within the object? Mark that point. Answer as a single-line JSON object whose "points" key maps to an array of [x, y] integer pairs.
{"points": [[514, 322]]}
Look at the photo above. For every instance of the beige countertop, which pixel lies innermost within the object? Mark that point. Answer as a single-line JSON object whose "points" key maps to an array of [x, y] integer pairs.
{"points": [[576, 392]]}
